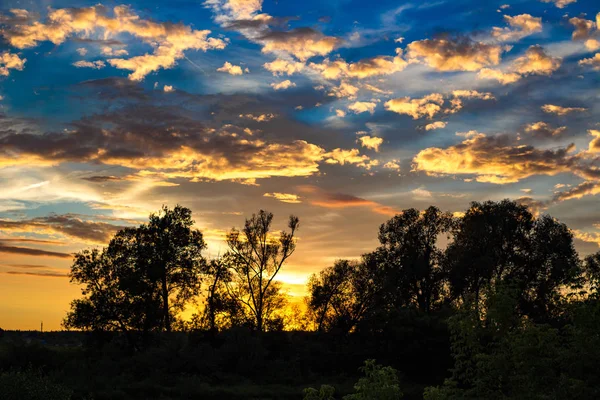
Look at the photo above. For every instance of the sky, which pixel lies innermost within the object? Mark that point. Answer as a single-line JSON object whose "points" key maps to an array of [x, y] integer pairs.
{"points": [[342, 112]]}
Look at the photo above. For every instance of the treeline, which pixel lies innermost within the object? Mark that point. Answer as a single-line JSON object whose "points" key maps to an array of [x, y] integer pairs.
{"points": [[495, 304]]}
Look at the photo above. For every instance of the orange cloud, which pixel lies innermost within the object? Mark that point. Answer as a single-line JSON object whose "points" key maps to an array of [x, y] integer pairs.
{"points": [[341, 200], [559, 110], [284, 197], [427, 106], [280, 67], [520, 26], [302, 43], [10, 61], [362, 106], [460, 54], [366, 68], [499, 160], [370, 142]]}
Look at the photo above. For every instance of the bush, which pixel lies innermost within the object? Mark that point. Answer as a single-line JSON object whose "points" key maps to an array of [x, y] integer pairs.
{"points": [[30, 385]]}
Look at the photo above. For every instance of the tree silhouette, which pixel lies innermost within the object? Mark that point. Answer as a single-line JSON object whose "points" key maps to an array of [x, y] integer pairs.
{"points": [[408, 262], [340, 296], [173, 250], [144, 276], [256, 257], [498, 242]]}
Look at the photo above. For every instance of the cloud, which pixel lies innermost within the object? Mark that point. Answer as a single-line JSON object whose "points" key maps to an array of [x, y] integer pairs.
{"points": [[325, 199], [544, 130], [560, 3], [370, 142], [48, 274], [260, 117], [229, 10], [280, 67], [366, 68], [583, 28], [90, 64], [231, 69], [427, 106], [345, 89], [27, 251], [421, 193], [473, 94], [109, 51], [168, 88], [161, 144], [536, 62], [393, 165], [583, 189], [283, 85], [352, 156], [498, 159], [359, 107], [284, 197], [559, 110], [10, 61], [169, 40], [435, 125], [594, 146], [503, 77], [302, 43], [593, 62], [455, 54], [82, 51], [520, 26], [68, 225]]}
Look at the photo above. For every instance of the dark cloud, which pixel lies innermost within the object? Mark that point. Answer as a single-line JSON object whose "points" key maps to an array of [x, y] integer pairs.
{"points": [[115, 88], [32, 252], [102, 178], [68, 224], [41, 274]]}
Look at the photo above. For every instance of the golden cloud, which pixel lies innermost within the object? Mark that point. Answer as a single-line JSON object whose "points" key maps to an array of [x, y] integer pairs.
{"points": [[537, 62], [280, 67], [427, 106], [345, 89], [352, 156], [435, 125], [376, 66], [503, 77], [594, 146], [169, 40], [90, 64], [284, 197], [283, 85], [302, 43], [593, 62], [460, 54], [370, 142], [543, 129], [499, 160], [230, 69], [558, 110], [10, 61], [325, 199], [560, 3], [362, 106], [228, 10], [520, 26]]}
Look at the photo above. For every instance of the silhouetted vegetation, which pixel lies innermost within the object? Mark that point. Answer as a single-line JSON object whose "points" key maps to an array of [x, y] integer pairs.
{"points": [[492, 304]]}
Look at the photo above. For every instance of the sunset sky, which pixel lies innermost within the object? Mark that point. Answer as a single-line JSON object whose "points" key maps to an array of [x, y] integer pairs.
{"points": [[341, 112]]}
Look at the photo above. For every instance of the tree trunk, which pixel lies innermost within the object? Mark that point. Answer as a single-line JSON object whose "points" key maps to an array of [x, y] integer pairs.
{"points": [[165, 296]]}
